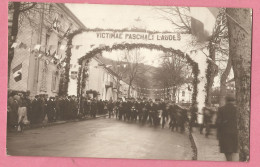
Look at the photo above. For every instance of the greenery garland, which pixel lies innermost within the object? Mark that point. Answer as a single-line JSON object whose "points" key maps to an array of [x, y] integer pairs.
{"points": [[195, 82], [64, 82], [79, 81], [210, 72], [208, 77]]}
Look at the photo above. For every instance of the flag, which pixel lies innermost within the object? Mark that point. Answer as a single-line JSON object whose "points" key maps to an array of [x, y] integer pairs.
{"points": [[68, 30], [54, 53], [17, 72], [203, 21], [62, 47], [50, 47], [56, 56], [23, 45], [37, 47], [14, 45], [55, 24]]}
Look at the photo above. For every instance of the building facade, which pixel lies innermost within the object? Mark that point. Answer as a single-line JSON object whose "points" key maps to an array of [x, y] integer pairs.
{"points": [[101, 80], [184, 94], [40, 48]]}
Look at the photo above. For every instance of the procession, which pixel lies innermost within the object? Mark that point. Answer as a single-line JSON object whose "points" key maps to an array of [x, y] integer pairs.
{"points": [[143, 111], [164, 82]]}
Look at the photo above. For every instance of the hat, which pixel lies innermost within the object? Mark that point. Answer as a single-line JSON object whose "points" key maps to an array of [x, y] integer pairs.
{"points": [[230, 98]]}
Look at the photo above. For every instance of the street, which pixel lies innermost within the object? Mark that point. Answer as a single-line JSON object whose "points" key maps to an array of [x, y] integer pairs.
{"points": [[101, 138]]}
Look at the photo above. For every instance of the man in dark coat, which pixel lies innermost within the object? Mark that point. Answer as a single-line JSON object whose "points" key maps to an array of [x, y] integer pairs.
{"points": [[100, 107], [227, 128], [173, 116], [194, 112], [93, 108], [57, 108], [13, 110], [165, 110], [36, 110], [50, 109]]}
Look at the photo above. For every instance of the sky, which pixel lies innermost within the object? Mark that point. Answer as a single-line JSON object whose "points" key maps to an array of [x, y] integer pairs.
{"points": [[120, 17], [123, 16]]}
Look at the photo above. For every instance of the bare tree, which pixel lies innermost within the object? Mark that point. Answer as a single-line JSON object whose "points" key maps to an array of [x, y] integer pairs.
{"points": [[217, 45], [17, 9], [134, 61], [179, 17], [173, 72], [26, 10]]}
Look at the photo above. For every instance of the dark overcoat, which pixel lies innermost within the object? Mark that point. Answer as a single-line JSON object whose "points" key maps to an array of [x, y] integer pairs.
{"points": [[227, 129]]}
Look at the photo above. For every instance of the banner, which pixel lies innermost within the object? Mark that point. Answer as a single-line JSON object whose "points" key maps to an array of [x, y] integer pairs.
{"points": [[17, 72]]}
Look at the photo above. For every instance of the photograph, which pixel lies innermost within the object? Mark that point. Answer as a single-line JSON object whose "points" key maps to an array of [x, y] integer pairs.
{"points": [[129, 81]]}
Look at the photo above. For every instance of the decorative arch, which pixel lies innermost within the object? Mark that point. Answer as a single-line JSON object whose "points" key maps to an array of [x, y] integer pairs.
{"points": [[92, 53], [121, 46]]}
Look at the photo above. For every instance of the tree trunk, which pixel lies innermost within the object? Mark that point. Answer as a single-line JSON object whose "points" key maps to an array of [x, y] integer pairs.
{"points": [[13, 35], [239, 29], [223, 86], [129, 87]]}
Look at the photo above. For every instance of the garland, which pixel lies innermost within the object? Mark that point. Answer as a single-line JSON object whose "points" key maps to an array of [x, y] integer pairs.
{"points": [[64, 82], [79, 81], [210, 72], [195, 82], [208, 77], [128, 46]]}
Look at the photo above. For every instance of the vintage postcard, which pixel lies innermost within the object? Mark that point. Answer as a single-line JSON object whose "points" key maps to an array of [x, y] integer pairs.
{"points": [[128, 81]]}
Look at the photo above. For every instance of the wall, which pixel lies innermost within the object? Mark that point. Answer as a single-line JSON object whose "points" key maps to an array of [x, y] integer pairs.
{"points": [[32, 31]]}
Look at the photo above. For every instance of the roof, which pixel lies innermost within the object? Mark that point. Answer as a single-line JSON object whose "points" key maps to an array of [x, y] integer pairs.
{"points": [[69, 13], [97, 58]]}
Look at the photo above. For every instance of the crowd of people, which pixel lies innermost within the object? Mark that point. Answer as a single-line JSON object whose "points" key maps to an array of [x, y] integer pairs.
{"points": [[154, 112], [25, 111], [22, 110]]}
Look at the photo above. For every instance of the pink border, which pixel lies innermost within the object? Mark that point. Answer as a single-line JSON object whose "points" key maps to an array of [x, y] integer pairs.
{"points": [[6, 161]]}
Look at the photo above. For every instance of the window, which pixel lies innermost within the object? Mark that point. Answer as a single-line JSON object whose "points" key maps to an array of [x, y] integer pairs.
{"points": [[183, 93], [55, 77], [47, 38]]}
